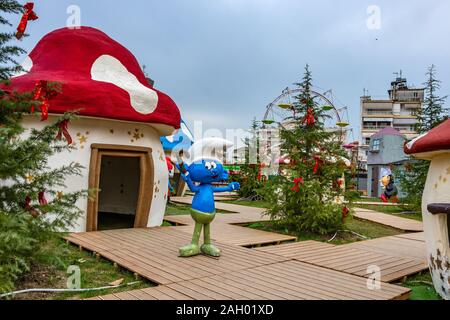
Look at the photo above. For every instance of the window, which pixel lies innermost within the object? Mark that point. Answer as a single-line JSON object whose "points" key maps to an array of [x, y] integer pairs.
{"points": [[376, 146]]}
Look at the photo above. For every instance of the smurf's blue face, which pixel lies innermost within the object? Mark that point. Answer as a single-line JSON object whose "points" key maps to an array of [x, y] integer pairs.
{"points": [[207, 171]]}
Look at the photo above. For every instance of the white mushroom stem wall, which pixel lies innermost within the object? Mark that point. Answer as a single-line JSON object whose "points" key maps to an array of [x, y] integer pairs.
{"points": [[437, 190], [88, 131]]}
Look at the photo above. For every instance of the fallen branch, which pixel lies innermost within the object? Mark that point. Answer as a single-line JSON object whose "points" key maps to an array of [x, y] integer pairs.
{"points": [[65, 290], [348, 231]]}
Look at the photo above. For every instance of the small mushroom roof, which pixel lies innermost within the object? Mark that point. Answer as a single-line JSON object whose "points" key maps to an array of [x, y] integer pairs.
{"points": [[388, 131], [431, 143], [99, 78]]}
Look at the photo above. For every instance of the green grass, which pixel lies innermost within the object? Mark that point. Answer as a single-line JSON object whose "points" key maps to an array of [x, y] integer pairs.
{"points": [[50, 272], [393, 210], [174, 209], [421, 287], [177, 209], [365, 228]]}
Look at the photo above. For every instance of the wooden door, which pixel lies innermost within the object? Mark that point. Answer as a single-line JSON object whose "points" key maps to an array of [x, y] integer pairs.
{"points": [[145, 196]]}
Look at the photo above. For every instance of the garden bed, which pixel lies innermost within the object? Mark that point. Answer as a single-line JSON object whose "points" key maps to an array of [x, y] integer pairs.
{"points": [[47, 272]]}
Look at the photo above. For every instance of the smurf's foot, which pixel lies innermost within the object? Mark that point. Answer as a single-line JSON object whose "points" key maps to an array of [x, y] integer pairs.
{"points": [[190, 251], [210, 250]]}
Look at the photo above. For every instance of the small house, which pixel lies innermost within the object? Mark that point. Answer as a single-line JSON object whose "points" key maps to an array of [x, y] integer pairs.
{"points": [[116, 137], [435, 147], [385, 152]]}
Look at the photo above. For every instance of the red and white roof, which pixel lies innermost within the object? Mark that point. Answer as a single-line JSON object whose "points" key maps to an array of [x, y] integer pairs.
{"points": [[100, 78], [432, 143]]}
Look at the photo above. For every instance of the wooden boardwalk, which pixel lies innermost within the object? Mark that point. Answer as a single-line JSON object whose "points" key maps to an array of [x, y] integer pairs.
{"points": [[374, 203], [406, 246], [290, 280], [238, 214], [153, 254], [241, 236], [221, 218], [255, 212], [418, 236], [404, 224], [299, 270], [350, 259]]}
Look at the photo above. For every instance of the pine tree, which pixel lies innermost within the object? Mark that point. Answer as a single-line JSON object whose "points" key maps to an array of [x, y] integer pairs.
{"points": [[33, 208], [307, 195], [8, 64], [432, 114], [250, 176]]}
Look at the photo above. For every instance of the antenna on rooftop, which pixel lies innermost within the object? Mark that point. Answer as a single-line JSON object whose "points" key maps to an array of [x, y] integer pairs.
{"points": [[365, 92], [399, 74]]}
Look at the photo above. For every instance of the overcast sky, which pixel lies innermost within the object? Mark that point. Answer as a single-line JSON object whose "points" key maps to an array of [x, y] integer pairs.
{"points": [[223, 61]]}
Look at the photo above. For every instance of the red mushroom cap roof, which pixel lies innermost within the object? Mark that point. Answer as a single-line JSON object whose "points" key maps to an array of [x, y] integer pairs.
{"points": [[438, 139], [99, 78]]}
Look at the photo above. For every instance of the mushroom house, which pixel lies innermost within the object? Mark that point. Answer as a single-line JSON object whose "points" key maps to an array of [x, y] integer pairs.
{"points": [[116, 135], [435, 147]]}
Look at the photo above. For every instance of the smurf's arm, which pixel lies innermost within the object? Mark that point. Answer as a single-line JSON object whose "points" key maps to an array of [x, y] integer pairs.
{"points": [[185, 176], [231, 187]]}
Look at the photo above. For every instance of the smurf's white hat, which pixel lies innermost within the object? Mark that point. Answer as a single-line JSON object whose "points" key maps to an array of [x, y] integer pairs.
{"points": [[385, 172], [207, 148]]}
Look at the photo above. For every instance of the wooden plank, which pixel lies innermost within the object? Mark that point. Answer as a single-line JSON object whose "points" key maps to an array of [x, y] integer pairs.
{"points": [[153, 254], [392, 221], [291, 280], [394, 246], [241, 236], [141, 295], [350, 259], [418, 236], [125, 296]]}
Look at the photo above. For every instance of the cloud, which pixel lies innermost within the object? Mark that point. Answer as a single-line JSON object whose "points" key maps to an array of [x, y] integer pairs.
{"points": [[223, 61]]}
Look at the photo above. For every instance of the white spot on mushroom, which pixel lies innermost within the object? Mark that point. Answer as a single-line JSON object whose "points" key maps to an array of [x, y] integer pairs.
{"points": [[26, 65], [410, 144], [110, 70]]}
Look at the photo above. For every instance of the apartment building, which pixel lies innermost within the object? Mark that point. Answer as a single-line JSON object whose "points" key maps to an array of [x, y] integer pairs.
{"points": [[398, 111]]}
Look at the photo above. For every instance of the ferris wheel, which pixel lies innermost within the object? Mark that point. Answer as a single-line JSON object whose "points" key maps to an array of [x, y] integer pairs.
{"points": [[281, 109]]}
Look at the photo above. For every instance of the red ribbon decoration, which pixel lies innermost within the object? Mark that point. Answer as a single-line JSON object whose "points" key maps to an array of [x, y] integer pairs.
{"points": [[297, 182], [27, 205], [345, 212], [38, 92], [317, 165], [64, 131], [28, 15], [42, 93], [309, 118], [260, 175], [42, 200]]}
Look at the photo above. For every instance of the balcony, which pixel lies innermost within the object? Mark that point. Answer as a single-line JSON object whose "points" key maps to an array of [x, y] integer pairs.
{"points": [[375, 128], [405, 129], [387, 113]]}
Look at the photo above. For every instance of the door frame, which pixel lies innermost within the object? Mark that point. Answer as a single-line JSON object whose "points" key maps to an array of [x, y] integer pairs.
{"points": [[145, 195], [375, 182]]}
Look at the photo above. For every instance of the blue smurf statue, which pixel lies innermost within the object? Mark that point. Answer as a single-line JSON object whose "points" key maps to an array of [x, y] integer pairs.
{"points": [[199, 177]]}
